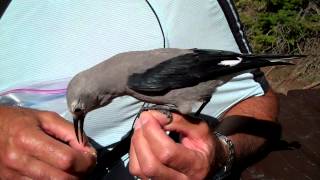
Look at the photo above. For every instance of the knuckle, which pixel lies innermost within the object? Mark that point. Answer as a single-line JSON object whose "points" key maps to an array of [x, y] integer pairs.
{"points": [[134, 170], [201, 168], [6, 175], [134, 138], [205, 126], [63, 177], [10, 159], [202, 130], [184, 177], [66, 160], [166, 156], [51, 115], [145, 117], [144, 114], [177, 118], [149, 169], [21, 137]]}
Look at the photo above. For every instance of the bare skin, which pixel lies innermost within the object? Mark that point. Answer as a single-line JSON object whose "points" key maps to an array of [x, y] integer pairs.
{"points": [[263, 108], [40, 145], [153, 154]]}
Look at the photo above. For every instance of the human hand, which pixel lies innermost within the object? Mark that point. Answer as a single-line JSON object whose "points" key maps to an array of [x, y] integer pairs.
{"points": [[153, 154], [40, 145]]}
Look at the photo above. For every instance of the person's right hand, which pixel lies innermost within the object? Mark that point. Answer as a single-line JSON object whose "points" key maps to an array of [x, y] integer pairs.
{"points": [[40, 145]]}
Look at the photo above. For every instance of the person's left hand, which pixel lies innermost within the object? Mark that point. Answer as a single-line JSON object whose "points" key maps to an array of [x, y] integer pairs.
{"points": [[153, 154]]}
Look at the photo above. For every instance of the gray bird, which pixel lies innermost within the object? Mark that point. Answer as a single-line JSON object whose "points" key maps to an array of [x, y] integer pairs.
{"points": [[182, 78]]}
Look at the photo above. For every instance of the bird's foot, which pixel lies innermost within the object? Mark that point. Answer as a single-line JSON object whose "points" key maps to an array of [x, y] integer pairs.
{"points": [[164, 109]]}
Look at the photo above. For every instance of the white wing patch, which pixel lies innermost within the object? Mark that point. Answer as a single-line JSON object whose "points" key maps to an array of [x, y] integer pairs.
{"points": [[230, 62]]}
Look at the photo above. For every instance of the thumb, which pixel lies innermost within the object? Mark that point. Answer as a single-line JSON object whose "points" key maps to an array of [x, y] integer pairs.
{"points": [[61, 129], [146, 116]]}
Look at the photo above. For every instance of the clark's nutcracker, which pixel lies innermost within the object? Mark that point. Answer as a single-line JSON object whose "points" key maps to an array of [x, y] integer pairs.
{"points": [[181, 78]]}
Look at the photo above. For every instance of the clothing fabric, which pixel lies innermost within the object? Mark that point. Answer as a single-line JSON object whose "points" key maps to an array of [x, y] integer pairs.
{"points": [[50, 41]]}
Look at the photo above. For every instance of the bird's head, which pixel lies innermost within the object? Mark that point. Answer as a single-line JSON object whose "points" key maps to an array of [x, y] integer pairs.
{"points": [[81, 99]]}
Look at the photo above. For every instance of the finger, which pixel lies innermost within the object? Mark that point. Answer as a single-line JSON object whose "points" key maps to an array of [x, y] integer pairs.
{"points": [[196, 131], [179, 124], [134, 166], [63, 130], [47, 149], [149, 165], [9, 174], [169, 153], [195, 135], [36, 169]]}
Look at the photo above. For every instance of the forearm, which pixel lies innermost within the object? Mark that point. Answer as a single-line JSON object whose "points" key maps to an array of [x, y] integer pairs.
{"points": [[250, 133]]}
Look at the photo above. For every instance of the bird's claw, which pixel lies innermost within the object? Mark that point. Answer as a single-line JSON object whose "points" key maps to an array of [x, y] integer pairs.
{"points": [[164, 109]]}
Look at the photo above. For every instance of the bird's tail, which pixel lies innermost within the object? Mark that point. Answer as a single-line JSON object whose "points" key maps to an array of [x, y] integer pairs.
{"points": [[257, 61], [230, 54], [273, 59]]}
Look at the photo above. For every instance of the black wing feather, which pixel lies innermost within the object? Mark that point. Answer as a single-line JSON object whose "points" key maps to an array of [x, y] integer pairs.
{"points": [[191, 69]]}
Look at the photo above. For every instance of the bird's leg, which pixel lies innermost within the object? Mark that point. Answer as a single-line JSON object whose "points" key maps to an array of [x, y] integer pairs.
{"points": [[205, 102]]}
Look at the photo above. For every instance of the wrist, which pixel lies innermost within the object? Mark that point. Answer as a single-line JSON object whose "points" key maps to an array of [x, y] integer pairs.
{"points": [[221, 154], [224, 158]]}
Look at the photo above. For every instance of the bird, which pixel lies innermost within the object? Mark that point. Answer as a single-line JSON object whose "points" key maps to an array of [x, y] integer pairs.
{"points": [[175, 80], [172, 78]]}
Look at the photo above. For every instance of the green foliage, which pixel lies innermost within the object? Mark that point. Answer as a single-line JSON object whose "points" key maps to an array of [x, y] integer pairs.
{"points": [[279, 25]]}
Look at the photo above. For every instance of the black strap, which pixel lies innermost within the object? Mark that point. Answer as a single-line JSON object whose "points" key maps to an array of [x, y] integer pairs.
{"points": [[107, 159], [235, 25], [3, 6]]}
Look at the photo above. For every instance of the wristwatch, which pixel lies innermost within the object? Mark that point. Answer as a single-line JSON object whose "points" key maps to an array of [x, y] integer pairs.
{"points": [[225, 170]]}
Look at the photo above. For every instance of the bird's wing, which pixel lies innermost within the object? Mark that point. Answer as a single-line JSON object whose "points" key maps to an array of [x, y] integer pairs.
{"points": [[181, 71], [198, 66]]}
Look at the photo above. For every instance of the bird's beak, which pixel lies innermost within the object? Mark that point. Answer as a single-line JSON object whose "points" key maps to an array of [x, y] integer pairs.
{"points": [[78, 121]]}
